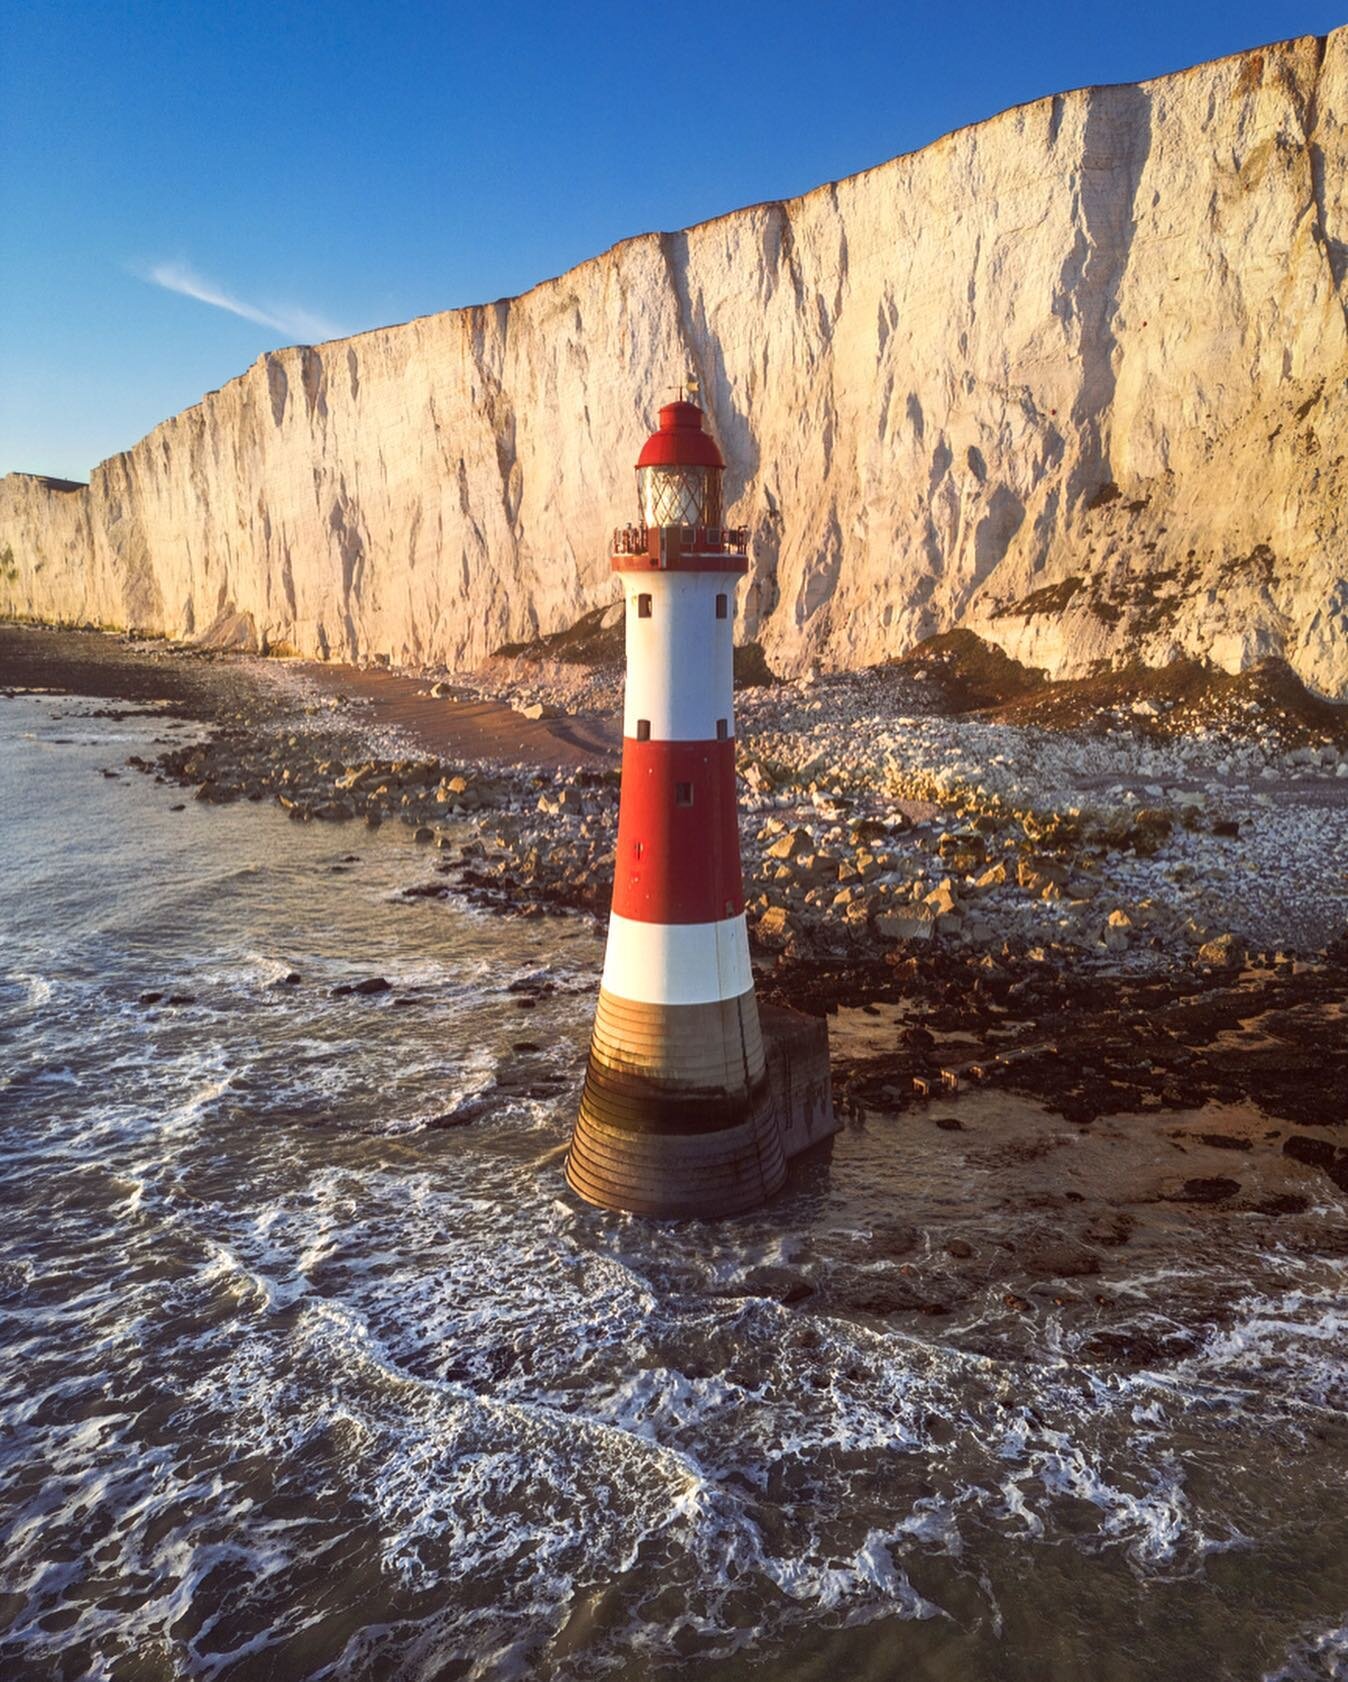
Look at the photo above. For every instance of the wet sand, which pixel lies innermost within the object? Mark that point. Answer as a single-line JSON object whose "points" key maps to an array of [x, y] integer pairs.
{"points": [[61, 662], [194, 683], [460, 726]]}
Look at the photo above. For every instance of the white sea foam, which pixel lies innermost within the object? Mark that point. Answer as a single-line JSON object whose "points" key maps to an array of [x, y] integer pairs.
{"points": [[1318, 1657], [38, 989], [56, 1077], [462, 1484]]}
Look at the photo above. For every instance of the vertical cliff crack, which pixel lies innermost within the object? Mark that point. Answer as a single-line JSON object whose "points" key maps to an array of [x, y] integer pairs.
{"points": [[499, 411], [1335, 249], [1115, 146], [278, 388], [706, 358]]}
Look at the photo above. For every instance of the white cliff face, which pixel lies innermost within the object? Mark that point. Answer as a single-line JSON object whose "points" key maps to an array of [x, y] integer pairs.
{"points": [[1076, 377]]}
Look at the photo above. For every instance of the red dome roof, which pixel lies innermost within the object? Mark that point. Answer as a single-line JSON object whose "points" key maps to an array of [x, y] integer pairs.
{"points": [[680, 442]]}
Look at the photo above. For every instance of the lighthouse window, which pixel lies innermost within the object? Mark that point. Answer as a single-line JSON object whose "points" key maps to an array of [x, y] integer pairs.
{"points": [[643, 607], [722, 729], [680, 495], [721, 605], [683, 794], [643, 730]]}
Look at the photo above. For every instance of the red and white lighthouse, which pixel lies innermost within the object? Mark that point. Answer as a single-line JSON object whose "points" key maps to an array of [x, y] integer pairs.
{"points": [[678, 1114]]}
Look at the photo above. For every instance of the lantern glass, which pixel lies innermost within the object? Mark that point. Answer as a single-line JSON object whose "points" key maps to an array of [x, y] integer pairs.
{"points": [[679, 496]]}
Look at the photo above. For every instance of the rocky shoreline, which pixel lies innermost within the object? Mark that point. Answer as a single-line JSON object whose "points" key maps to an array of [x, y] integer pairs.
{"points": [[1111, 920]]}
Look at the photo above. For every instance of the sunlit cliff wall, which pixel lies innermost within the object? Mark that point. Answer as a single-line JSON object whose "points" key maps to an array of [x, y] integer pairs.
{"points": [[1074, 377]]}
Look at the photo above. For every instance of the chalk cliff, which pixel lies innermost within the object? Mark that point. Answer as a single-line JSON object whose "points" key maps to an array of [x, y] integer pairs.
{"points": [[1076, 377]]}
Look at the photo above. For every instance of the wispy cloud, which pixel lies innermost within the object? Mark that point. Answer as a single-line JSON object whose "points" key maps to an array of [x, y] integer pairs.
{"points": [[294, 323]]}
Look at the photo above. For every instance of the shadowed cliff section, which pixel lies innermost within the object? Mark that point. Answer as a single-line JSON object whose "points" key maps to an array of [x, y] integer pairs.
{"points": [[1100, 338]]}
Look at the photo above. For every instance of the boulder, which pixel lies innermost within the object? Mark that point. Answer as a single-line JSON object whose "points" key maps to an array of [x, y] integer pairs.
{"points": [[775, 927], [911, 922], [943, 899], [1226, 952], [1036, 872], [792, 846]]}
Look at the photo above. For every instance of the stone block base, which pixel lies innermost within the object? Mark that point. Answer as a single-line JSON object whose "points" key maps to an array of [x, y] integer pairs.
{"points": [[646, 1147], [796, 1049]]}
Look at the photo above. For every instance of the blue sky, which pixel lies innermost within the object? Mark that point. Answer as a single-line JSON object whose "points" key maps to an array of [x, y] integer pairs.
{"points": [[328, 168]]}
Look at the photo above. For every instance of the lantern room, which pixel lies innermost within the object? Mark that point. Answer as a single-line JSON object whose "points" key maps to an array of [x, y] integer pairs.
{"points": [[679, 471]]}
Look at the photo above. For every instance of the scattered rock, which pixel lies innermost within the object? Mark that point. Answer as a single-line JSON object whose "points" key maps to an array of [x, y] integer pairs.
{"points": [[778, 1283], [464, 1115], [1282, 1203], [1314, 1153], [913, 922], [1213, 1189], [775, 927], [798, 844], [1133, 1347], [1226, 952], [363, 989]]}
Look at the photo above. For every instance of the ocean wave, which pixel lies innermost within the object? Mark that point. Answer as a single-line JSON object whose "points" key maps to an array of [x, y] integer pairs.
{"points": [[296, 1382], [553, 1421]]}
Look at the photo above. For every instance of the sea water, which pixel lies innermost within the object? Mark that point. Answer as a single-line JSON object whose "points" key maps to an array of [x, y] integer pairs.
{"points": [[299, 1381]]}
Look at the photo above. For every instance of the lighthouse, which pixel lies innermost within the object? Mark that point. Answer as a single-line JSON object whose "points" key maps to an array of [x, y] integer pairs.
{"points": [[691, 1104]]}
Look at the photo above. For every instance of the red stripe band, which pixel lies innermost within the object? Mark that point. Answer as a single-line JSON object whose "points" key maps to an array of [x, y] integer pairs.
{"points": [[678, 857]]}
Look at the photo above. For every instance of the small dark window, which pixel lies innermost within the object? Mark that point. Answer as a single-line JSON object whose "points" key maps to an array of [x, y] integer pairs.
{"points": [[722, 729], [683, 794], [643, 607], [638, 848], [722, 606], [643, 730]]}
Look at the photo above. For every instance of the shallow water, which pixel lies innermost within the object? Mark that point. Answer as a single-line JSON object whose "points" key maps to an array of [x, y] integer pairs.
{"points": [[298, 1385]]}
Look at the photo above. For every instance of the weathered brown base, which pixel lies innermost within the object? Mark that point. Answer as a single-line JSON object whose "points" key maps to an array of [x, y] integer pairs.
{"points": [[653, 1144], [796, 1048], [672, 1175]]}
